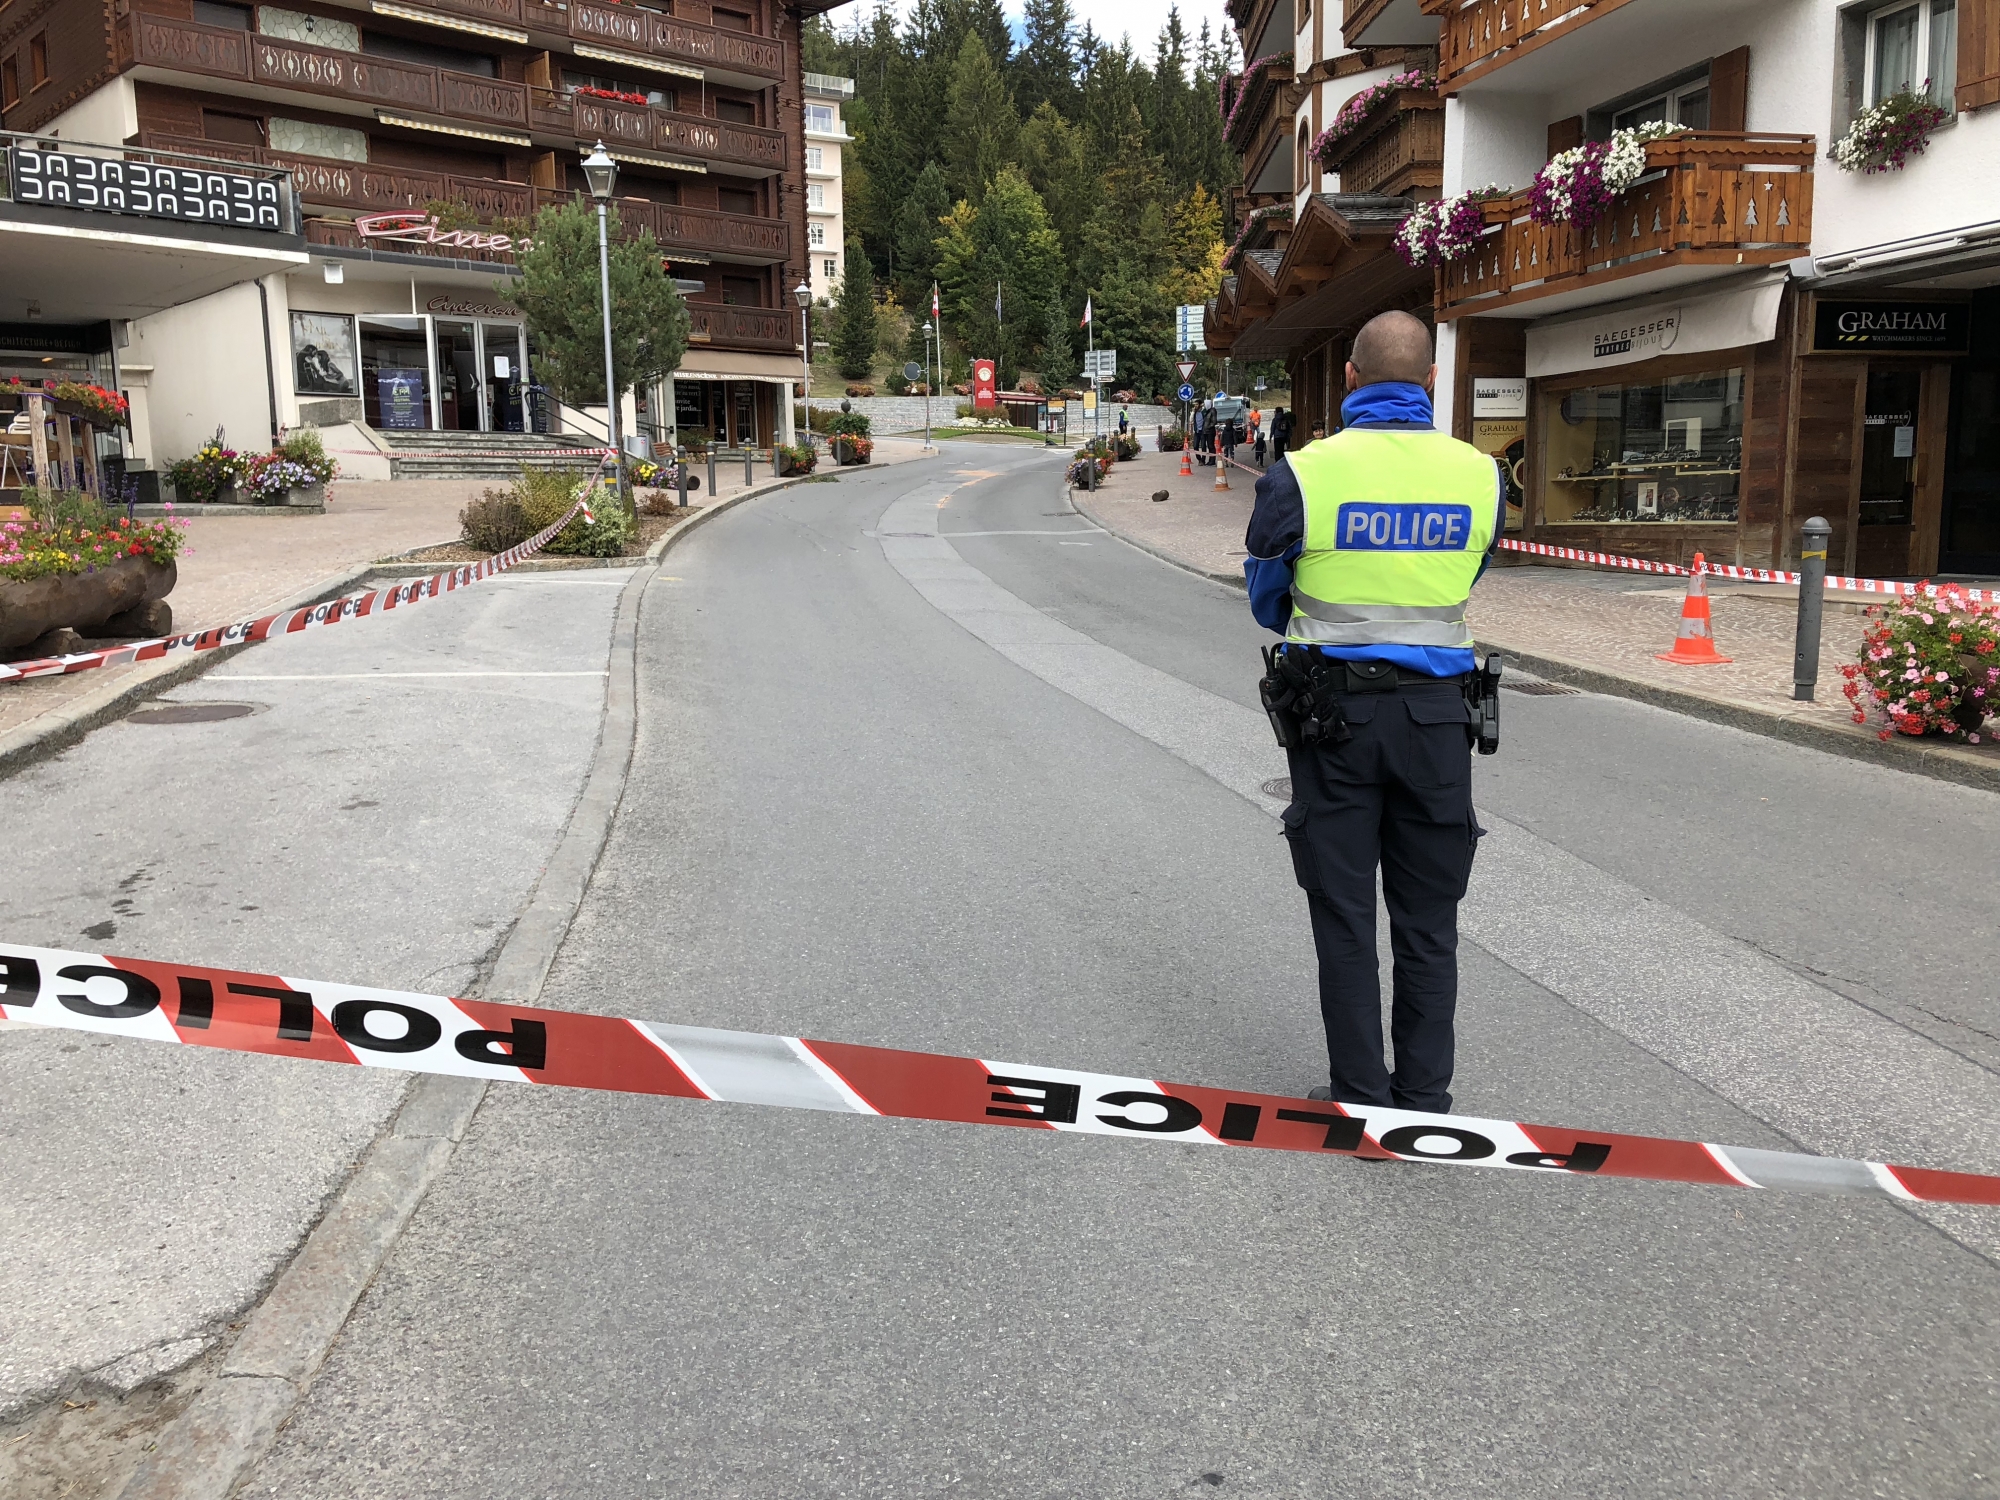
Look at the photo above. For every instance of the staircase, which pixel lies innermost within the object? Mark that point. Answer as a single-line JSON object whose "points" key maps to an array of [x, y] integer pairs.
{"points": [[479, 455]]}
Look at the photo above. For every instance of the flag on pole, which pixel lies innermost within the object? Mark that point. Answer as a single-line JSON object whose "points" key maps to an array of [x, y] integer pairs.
{"points": [[934, 301], [996, 302], [1086, 311]]}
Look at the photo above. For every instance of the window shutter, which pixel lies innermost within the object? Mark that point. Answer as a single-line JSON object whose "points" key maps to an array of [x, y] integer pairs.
{"points": [[1729, 91], [1978, 53], [1565, 135]]}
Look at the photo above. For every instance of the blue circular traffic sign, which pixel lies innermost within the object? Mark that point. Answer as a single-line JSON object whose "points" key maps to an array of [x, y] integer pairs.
{"points": [[1186, 393]]}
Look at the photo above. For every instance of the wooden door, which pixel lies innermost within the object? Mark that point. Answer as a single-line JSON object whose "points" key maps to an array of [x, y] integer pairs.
{"points": [[1827, 408]]}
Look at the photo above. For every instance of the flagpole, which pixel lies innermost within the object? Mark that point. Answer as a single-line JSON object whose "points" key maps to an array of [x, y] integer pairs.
{"points": [[1090, 340]]}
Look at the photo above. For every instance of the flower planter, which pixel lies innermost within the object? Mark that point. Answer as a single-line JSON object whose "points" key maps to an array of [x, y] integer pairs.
{"points": [[847, 455], [31, 607], [304, 494]]}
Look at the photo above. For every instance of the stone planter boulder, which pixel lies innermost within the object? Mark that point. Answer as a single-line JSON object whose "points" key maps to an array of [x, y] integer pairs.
{"points": [[132, 591]]}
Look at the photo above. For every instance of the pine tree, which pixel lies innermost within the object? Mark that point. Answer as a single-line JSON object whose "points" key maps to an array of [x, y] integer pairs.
{"points": [[1056, 160], [1007, 243], [855, 329], [981, 131], [1045, 68], [917, 230], [1060, 365]]}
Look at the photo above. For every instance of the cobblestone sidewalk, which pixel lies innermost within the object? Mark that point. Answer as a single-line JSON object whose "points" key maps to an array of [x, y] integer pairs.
{"points": [[1597, 628]]}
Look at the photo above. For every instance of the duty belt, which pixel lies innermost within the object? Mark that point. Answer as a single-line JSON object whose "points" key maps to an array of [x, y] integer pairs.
{"points": [[1302, 688]]}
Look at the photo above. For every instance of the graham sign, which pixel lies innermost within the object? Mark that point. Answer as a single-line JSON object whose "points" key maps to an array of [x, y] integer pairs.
{"points": [[1892, 327]]}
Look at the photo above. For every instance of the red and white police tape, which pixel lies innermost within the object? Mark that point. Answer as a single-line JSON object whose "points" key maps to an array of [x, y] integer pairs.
{"points": [[284, 1017], [1886, 586], [333, 612]]}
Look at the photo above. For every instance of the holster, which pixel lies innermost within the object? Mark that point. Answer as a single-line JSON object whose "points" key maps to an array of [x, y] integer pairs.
{"points": [[1300, 692]]}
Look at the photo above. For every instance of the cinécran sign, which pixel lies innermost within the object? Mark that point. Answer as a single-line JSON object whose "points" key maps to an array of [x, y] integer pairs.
{"points": [[423, 229]]}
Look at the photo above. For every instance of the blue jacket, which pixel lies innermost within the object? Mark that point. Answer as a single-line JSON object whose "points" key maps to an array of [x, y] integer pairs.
{"points": [[1278, 530]]}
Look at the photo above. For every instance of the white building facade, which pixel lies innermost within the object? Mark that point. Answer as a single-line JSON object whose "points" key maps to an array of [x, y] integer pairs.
{"points": [[825, 136]]}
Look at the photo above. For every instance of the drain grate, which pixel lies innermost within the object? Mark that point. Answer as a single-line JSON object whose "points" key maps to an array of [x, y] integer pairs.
{"points": [[1540, 689], [1279, 787], [192, 713]]}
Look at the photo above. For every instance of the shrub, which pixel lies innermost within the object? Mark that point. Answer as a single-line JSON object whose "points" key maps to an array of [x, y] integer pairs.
{"points": [[1931, 665], [861, 390], [848, 424], [495, 521], [546, 493], [898, 383]]}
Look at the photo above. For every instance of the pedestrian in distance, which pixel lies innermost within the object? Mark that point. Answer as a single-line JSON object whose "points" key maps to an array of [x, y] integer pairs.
{"points": [[1363, 548], [1255, 432], [1230, 434], [1281, 432], [1122, 423]]}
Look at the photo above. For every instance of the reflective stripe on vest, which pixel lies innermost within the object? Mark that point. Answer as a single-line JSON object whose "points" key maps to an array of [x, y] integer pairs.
{"points": [[1397, 522]]}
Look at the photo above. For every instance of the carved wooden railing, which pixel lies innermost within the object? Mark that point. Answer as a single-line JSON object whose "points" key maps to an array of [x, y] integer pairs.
{"points": [[629, 28], [715, 323], [651, 128], [1714, 197], [1398, 148], [1481, 35], [274, 62]]}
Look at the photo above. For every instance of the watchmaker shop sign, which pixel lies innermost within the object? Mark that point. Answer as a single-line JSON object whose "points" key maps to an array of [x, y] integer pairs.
{"points": [[1892, 328]]}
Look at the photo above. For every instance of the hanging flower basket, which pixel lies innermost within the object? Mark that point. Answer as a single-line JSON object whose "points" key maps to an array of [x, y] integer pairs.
{"points": [[1275, 213], [1579, 184], [1328, 144], [1447, 229], [1885, 137]]}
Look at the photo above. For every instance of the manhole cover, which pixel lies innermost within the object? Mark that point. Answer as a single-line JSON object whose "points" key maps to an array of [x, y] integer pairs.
{"points": [[192, 713], [1279, 787], [1540, 689]]}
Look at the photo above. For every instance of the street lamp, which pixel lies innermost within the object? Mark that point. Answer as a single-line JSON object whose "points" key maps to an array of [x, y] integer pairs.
{"points": [[804, 294], [929, 329], [602, 174]]}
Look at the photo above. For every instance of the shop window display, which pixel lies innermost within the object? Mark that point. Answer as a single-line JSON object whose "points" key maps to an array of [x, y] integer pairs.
{"points": [[1657, 452]]}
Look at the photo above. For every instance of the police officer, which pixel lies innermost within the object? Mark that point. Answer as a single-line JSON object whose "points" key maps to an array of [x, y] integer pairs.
{"points": [[1363, 547]]}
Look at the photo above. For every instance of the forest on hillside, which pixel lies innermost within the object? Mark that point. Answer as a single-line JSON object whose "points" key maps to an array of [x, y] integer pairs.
{"points": [[1067, 167]]}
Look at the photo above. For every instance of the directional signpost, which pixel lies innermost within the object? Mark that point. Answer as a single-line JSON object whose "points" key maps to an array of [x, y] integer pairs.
{"points": [[1187, 327]]}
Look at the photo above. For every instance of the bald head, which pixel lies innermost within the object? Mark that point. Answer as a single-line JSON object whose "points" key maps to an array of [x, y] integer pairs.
{"points": [[1391, 346]]}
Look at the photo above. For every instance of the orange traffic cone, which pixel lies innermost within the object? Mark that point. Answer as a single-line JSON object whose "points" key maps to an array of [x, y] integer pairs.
{"points": [[1694, 643], [1186, 472], [1221, 471]]}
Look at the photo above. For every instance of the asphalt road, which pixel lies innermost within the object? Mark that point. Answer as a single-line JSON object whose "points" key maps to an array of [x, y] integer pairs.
{"points": [[924, 760], [379, 815]]}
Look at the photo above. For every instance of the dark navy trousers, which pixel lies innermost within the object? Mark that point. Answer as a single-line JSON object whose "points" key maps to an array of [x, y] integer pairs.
{"points": [[1397, 796]]}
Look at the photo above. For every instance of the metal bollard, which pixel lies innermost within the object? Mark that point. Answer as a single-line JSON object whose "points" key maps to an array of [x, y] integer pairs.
{"points": [[711, 472], [1812, 604], [747, 452], [681, 479]]}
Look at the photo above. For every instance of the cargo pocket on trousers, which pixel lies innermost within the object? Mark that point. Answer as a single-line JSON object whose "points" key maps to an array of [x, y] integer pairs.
{"points": [[1304, 867], [1440, 751], [1473, 834]]}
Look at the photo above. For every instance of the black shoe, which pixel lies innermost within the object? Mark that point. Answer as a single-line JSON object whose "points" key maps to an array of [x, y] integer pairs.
{"points": [[1322, 1092]]}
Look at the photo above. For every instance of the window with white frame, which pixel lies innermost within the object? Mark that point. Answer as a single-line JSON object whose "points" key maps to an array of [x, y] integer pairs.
{"points": [[1913, 46], [816, 195], [816, 235], [815, 158], [832, 268], [820, 117]]}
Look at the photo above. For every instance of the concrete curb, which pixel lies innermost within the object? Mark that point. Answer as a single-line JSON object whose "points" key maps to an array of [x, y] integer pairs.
{"points": [[229, 1427], [397, 568], [59, 728], [1944, 762]]}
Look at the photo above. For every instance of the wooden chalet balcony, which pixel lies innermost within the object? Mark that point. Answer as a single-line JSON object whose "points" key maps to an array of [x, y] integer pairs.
{"points": [[1397, 150], [721, 324], [146, 40], [1260, 94], [1709, 198], [634, 29], [669, 132], [1481, 35]]}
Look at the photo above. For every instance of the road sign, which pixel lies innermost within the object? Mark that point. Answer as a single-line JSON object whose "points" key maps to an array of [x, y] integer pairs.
{"points": [[1186, 367], [1185, 393], [1188, 327], [1100, 364], [913, 371]]}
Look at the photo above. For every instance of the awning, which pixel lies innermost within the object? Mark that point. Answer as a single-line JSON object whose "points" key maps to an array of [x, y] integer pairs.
{"points": [[86, 272], [1625, 333], [724, 364]]}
